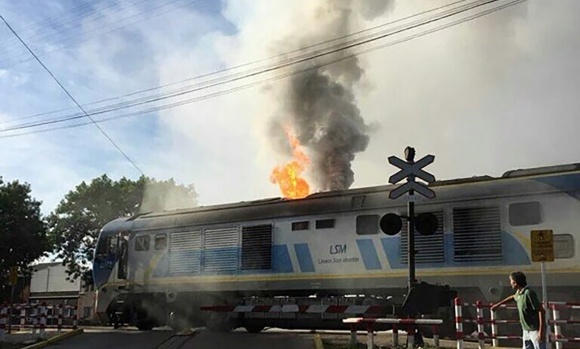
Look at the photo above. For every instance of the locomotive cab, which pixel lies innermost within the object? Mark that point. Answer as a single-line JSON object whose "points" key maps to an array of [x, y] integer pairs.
{"points": [[105, 259], [111, 252], [110, 269]]}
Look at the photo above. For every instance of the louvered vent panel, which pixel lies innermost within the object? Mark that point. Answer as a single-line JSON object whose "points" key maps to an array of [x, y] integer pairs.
{"points": [[430, 249], [185, 252], [257, 247], [221, 249], [477, 234]]}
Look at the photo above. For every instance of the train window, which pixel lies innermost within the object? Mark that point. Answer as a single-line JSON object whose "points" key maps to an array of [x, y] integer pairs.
{"points": [[525, 213], [367, 224], [160, 241], [304, 225], [325, 223], [103, 246], [142, 243], [123, 255], [112, 244], [477, 234], [563, 246]]}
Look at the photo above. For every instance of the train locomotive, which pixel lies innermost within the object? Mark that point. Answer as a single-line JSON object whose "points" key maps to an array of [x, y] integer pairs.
{"points": [[326, 251]]}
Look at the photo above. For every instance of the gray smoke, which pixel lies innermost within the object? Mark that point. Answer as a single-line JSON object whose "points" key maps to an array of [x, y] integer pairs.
{"points": [[320, 106]]}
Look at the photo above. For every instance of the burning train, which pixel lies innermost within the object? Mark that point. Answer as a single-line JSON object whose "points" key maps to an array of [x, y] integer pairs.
{"points": [[265, 263]]}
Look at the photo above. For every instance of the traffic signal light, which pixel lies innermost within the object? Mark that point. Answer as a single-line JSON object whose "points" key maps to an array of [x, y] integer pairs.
{"points": [[391, 224], [425, 224]]}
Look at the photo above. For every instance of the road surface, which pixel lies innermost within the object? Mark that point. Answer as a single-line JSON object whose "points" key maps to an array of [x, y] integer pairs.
{"points": [[97, 338]]}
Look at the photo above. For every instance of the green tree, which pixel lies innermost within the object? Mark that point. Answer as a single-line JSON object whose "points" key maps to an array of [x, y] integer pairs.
{"points": [[23, 232], [77, 220]]}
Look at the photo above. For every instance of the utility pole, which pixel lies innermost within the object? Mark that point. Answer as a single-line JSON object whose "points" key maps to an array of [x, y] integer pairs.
{"points": [[410, 157]]}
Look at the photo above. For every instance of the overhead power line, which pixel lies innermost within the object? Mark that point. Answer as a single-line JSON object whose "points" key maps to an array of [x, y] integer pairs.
{"points": [[59, 20], [72, 98], [121, 23], [283, 56], [318, 64]]}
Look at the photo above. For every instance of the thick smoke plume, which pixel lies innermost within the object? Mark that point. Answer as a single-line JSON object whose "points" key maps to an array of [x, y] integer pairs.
{"points": [[319, 105]]}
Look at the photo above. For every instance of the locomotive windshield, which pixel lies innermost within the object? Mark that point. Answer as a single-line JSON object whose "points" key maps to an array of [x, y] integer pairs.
{"points": [[105, 258], [107, 250]]}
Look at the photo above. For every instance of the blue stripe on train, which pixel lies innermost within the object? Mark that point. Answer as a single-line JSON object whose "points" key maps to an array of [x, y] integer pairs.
{"points": [[568, 183], [369, 254], [304, 258], [281, 259]]}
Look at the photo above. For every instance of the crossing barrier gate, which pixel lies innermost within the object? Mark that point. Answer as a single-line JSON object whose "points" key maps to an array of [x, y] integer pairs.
{"points": [[555, 307], [38, 317], [492, 322], [3, 322], [409, 324]]}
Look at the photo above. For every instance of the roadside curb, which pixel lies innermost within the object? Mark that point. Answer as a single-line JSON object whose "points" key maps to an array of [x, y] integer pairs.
{"points": [[55, 339], [318, 344]]}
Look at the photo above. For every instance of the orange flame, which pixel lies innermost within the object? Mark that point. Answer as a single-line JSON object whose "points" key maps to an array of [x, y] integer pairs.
{"points": [[292, 185]]}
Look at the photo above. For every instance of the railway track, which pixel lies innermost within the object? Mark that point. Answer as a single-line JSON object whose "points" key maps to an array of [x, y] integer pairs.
{"points": [[178, 340]]}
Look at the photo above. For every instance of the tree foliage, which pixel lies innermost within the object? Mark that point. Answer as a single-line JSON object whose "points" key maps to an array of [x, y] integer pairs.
{"points": [[77, 220], [23, 232]]}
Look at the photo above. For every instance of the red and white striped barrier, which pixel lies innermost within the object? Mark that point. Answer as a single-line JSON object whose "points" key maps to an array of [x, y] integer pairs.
{"points": [[42, 320], [495, 336], [304, 309], [22, 316], [75, 317], [569, 305], [458, 323], [3, 322], [481, 321], [40, 317], [60, 317], [558, 337], [409, 323], [34, 311], [480, 325]]}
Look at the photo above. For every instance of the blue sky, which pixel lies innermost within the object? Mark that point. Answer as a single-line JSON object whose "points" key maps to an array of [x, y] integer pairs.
{"points": [[484, 97]]}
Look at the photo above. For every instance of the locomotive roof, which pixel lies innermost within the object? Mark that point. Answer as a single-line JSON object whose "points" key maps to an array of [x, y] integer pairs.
{"points": [[512, 183]]}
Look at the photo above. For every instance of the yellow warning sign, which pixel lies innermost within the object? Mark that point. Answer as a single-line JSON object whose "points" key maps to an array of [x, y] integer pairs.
{"points": [[542, 245]]}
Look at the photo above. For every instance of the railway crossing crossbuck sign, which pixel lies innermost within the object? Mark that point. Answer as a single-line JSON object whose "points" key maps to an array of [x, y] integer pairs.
{"points": [[411, 170], [426, 223]]}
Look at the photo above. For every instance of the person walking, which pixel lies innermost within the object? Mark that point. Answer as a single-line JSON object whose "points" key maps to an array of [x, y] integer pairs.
{"points": [[530, 311]]}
